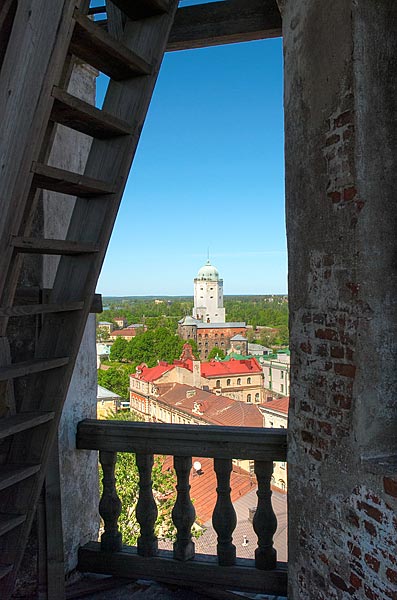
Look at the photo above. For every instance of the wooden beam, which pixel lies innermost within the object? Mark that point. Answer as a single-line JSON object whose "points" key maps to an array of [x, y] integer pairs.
{"points": [[127, 563], [226, 22]]}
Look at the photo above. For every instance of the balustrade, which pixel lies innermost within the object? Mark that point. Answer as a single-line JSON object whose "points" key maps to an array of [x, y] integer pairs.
{"points": [[220, 443]]}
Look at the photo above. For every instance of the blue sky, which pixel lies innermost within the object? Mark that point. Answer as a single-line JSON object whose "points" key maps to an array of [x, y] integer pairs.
{"points": [[208, 173]]}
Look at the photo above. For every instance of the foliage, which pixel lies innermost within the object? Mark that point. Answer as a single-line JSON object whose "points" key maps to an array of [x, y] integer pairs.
{"points": [[149, 347], [116, 379], [265, 311], [127, 486], [216, 353], [102, 334]]}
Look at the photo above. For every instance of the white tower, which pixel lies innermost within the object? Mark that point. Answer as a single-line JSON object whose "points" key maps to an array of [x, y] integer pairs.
{"points": [[208, 295]]}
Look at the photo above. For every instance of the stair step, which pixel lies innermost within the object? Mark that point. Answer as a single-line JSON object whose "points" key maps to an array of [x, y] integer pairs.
{"points": [[139, 9], [23, 421], [35, 365], [39, 309], [9, 522], [46, 246], [99, 49], [12, 474], [5, 570], [81, 116], [66, 182]]}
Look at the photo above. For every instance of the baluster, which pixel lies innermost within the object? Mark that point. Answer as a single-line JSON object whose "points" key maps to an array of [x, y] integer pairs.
{"points": [[224, 518], [264, 522], [146, 508], [109, 505], [183, 513]]}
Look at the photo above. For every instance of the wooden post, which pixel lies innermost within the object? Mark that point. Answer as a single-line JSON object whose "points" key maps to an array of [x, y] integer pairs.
{"points": [[146, 508], [109, 505], [265, 521], [183, 513], [224, 518]]}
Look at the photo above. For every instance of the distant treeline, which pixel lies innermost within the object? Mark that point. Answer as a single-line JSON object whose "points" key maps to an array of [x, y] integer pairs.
{"points": [[265, 311]]}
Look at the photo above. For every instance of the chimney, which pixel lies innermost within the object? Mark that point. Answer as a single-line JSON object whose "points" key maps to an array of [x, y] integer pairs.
{"points": [[197, 373]]}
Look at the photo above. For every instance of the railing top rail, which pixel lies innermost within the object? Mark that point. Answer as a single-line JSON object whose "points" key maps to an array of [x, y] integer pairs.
{"points": [[254, 443]]}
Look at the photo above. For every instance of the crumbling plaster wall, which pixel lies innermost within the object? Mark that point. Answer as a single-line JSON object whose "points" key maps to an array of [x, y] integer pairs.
{"points": [[341, 180]]}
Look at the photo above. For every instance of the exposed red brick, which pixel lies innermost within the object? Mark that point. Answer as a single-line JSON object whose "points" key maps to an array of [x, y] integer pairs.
{"points": [[316, 454], [370, 527], [355, 550], [349, 354], [345, 370], [327, 366], [332, 139], [306, 347], [325, 427], [353, 519], [372, 562], [370, 593], [343, 401], [344, 118], [324, 559], [349, 193], [355, 581], [339, 582], [347, 134], [371, 511], [337, 352], [391, 575], [335, 197], [390, 486], [307, 436], [326, 334]]}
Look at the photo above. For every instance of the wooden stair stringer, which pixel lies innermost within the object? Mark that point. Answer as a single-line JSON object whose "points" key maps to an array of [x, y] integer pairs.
{"points": [[92, 223]]}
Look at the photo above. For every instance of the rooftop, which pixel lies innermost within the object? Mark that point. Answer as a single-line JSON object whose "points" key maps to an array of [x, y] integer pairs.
{"points": [[280, 405], [246, 366]]}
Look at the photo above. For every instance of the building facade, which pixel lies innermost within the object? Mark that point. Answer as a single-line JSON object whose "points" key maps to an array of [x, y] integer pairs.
{"points": [[275, 414], [276, 372], [208, 295]]}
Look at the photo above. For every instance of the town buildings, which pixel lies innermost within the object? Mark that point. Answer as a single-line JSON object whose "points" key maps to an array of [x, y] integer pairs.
{"points": [[276, 371], [275, 414], [207, 326]]}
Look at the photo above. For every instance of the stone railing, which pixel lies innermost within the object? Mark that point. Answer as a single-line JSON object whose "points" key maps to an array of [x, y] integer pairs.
{"points": [[183, 566]]}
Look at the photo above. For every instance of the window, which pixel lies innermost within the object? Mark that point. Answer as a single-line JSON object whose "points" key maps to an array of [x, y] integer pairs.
{"points": [[218, 383], [270, 371], [222, 343], [282, 374], [270, 385], [248, 380], [271, 423], [239, 381], [249, 398], [257, 397], [281, 388], [216, 335], [281, 484], [206, 335], [228, 382]]}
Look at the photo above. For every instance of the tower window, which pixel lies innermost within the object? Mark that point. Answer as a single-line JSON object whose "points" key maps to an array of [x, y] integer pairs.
{"points": [[248, 380]]}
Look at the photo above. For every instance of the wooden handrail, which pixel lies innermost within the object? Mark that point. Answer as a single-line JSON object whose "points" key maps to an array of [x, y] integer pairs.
{"points": [[251, 443]]}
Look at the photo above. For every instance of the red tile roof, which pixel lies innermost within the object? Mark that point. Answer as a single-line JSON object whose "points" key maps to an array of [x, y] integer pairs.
{"points": [[216, 368], [203, 487], [280, 405], [127, 332], [150, 374], [208, 407]]}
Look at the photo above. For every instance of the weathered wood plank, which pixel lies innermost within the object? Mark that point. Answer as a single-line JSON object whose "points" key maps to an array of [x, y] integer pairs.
{"points": [[50, 246], [139, 9], [7, 13], [35, 365], [67, 182], [228, 22], [99, 49], [242, 576], [39, 309], [22, 422], [81, 116], [183, 440], [9, 522], [10, 474]]}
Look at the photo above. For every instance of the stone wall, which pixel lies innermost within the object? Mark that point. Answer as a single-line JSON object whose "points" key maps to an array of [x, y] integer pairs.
{"points": [[340, 91]]}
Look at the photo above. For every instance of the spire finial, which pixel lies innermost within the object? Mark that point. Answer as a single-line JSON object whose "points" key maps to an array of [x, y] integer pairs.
{"points": [[208, 256]]}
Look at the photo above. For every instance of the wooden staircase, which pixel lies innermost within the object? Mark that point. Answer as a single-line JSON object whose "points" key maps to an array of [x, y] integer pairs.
{"points": [[39, 40]]}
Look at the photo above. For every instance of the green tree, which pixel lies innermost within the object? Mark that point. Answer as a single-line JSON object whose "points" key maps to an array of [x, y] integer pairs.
{"points": [[102, 334], [119, 349], [216, 352], [116, 379], [127, 485]]}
